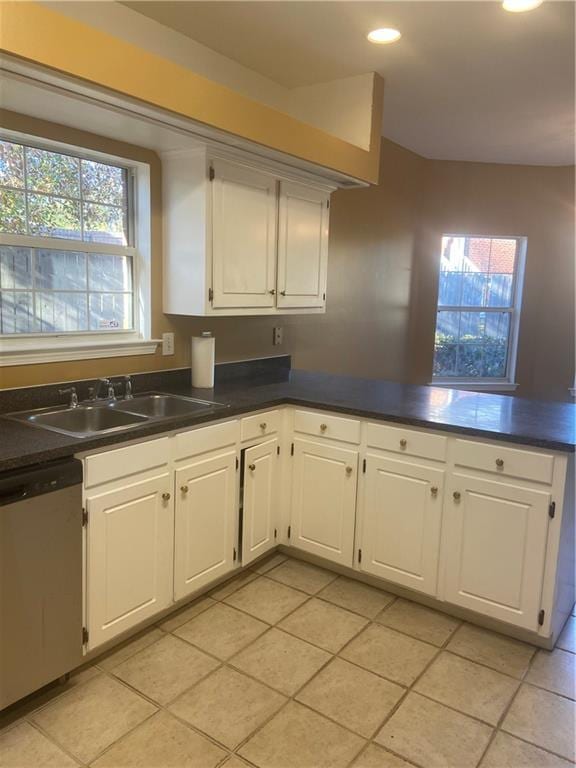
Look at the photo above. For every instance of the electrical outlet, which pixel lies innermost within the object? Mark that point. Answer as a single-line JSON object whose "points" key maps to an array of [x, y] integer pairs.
{"points": [[278, 336], [167, 343]]}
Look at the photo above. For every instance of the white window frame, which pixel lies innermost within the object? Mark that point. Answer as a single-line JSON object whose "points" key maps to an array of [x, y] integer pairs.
{"points": [[33, 348], [508, 382]]}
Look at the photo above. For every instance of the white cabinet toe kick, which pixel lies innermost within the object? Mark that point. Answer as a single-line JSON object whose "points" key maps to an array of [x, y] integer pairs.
{"points": [[477, 528]]}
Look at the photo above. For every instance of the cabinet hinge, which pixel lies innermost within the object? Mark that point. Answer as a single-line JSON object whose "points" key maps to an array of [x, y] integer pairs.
{"points": [[292, 450], [289, 531], [85, 636], [359, 555], [84, 517], [210, 294], [211, 174], [328, 203], [541, 617], [234, 554], [237, 463], [278, 450], [364, 466], [552, 510], [275, 533], [323, 297]]}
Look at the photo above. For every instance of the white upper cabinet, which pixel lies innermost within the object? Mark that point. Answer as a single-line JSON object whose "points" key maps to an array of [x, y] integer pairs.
{"points": [[240, 239], [243, 237], [302, 245]]}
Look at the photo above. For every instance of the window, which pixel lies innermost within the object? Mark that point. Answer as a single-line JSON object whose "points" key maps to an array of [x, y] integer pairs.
{"points": [[69, 262], [479, 296]]}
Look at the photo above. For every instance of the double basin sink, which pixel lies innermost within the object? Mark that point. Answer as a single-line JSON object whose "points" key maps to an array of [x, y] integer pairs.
{"points": [[96, 418]]}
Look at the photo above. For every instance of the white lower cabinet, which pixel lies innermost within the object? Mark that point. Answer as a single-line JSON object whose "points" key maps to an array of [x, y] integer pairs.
{"points": [[324, 500], [495, 548], [260, 495], [129, 556], [401, 522], [205, 521]]}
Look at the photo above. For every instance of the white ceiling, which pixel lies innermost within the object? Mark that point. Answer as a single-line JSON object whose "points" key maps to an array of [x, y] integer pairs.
{"points": [[467, 81]]}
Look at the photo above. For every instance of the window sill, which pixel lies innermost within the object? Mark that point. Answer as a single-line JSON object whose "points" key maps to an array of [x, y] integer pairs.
{"points": [[477, 386], [33, 351]]}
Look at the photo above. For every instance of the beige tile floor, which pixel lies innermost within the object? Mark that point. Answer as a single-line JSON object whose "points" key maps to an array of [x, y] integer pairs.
{"points": [[291, 666]]}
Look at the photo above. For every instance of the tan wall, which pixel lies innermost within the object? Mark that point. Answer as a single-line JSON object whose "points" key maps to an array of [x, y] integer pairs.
{"points": [[489, 199]]}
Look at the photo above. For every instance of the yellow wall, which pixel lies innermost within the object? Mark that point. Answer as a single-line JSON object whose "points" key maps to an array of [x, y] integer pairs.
{"points": [[38, 34]]}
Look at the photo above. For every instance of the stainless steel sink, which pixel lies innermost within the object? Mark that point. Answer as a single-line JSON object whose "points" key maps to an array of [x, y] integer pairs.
{"points": [[89, 419], [83, 421], [160, 406]]}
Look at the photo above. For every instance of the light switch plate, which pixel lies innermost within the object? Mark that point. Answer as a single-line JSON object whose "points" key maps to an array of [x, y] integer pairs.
{"points": [[278, 336], [167, 343]]}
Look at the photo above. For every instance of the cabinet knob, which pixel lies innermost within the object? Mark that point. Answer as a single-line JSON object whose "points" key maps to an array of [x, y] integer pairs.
{"points": [[263, 426], [251, 467], [184, 488], [323, 427], [282, 293], [456, 495], [434, 490], [403, 443], [272, 291], [165, 497], [348, 470], [500, 463]]}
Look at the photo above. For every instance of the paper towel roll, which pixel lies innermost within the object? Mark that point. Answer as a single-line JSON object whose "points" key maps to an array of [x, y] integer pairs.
{"points": [[203, 353]]}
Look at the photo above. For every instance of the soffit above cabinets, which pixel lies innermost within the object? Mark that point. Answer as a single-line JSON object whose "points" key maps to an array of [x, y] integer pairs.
{"points": [[32, 90]]}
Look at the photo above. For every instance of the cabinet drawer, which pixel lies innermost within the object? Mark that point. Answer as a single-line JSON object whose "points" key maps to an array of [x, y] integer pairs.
{"points": [[205, 439], [334, 427], [407, 441], [260, 424], [512, 462], [122, 462]]}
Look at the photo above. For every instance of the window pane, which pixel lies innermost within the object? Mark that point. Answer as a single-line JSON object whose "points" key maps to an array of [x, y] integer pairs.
{"points": [[453, 254], [52, 172], [497, 326], [469, 362], [11, 164], [500, 291], [503, 255], [108, 272], [104, 224], [474, 286], [16, 314], [472, 326], [444, 359], [103, 183], [63, 270], [477, 254], [60, 312], [15, 267], [110, 311], [495, 360], [450, 289], [12, 212], [447, 326], [54, 217]]}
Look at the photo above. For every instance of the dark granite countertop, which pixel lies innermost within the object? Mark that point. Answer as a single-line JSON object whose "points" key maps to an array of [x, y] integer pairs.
{"points": [[547, 425]]}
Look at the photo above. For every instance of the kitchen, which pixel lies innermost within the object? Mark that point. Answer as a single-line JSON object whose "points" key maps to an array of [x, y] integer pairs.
{"points": [[287, 384]]}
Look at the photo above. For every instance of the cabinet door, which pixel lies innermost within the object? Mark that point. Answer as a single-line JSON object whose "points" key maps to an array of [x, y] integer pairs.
{"points": [[205, 527], [129, 556], [260, 500], [401, 522], [243, 237], [495, 548], [324, 500], [302, 246]]}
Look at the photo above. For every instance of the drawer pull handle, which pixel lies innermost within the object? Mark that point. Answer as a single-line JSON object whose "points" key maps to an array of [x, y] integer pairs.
{"points": [[263, 426], [251, 467], [457, 496], [184, 488], [348, 470], [434, 490], [500, 463], [403, 443], [323, 427], [165, 497]]}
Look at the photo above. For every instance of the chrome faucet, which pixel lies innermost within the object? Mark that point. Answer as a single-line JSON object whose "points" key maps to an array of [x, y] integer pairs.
{"points": [[73, 396], [128, 387], [94, 392]]}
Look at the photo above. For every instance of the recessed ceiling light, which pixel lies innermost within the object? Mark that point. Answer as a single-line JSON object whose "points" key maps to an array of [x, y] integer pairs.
{"points": [[519, 6], [384, 35]]}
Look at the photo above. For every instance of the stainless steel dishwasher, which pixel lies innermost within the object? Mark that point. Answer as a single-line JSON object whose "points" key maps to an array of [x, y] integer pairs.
{"points": [[40, 576]]}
